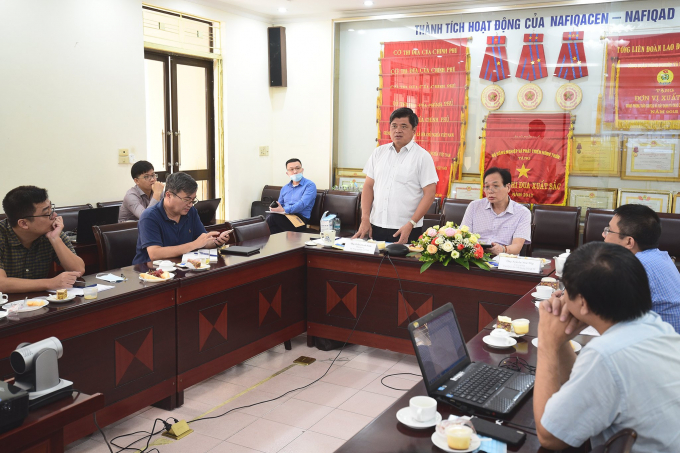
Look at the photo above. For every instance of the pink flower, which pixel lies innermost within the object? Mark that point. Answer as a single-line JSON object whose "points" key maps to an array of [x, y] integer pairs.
{"points": [[431, 232], [450, 232], [431, 249]]}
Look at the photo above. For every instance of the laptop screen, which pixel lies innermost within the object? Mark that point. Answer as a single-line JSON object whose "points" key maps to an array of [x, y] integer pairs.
{"points": [[440, 346]]}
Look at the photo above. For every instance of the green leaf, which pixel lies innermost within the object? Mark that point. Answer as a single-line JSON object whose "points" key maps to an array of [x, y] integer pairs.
{"points": [[463, 263], [481, 264], [426, 266], [413, 253]]}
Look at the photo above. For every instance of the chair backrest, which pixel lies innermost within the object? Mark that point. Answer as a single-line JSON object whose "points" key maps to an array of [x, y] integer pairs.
{"points": [[3, 216], [453, 210], [232, 224], [270, 193], [431, 220], [670, 232], [596, 220], [346, 206], [315, 217], [219, 227], [70, 215], [434, 207], [116, 244], [556, 227], [251, 231], [207, 210], [621, 442], [107, 204]]}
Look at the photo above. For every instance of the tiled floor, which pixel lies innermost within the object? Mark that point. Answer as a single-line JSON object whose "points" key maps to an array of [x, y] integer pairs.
{"points": [[316, 419]]}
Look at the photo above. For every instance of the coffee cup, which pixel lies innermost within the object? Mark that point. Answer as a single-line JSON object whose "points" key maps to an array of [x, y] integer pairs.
{"points": [[458, 437], [328, 238], [520, 326], [544, 291], [423, 408], [164, 265], [3, 298], [500, 336]]}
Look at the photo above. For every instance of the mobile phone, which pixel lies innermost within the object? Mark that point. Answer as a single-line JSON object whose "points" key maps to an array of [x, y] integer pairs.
{"points": [[274, 204], [510, 436], [79, 284]]}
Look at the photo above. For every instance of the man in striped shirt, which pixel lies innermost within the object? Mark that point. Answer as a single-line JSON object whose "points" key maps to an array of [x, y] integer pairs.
{"points": [[638, 228]]}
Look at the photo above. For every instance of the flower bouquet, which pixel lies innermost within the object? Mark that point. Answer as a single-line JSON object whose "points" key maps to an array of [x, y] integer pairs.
{"points": [[447, 244]]}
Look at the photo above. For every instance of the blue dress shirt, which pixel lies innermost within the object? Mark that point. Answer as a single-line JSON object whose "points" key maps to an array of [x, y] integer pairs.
{"points": [[298, 199], [155, 228], [664, 283]]}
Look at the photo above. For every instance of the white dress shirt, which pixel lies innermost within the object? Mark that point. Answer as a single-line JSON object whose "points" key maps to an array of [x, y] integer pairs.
{"points": [[399, 181]]}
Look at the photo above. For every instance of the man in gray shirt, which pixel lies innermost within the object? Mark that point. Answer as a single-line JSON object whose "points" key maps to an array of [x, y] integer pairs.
{"points": [[146, 192], [628, 377]]}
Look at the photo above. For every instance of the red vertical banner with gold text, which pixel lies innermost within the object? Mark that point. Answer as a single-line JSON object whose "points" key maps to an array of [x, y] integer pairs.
{"points": [[431, 78], [642, 82], [535, 149]]}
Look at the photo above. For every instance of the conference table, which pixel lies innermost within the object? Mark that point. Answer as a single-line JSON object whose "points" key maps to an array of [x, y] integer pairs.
{"points": [[142, 343]]}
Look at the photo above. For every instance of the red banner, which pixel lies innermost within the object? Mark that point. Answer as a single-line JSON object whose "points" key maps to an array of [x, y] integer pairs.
{"points": [[535, 149], [642, 82], [431, 78]]}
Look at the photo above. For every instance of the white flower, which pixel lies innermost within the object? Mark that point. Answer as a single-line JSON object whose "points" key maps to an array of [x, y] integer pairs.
{"points": [[449, 224], [439, 240], [466, 242], [447, 246], [458, 237], [455, 254]]}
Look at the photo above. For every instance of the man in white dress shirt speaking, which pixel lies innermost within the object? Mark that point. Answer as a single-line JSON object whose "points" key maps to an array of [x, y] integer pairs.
{"points": [[400, 184]]}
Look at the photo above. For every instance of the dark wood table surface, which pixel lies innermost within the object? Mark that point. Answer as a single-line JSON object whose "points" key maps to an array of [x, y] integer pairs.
{"points": [[43, 429]]}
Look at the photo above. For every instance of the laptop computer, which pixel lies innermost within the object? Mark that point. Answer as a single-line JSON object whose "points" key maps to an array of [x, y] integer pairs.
{"points": [[87, 218], [451, 377], [207, 209]]}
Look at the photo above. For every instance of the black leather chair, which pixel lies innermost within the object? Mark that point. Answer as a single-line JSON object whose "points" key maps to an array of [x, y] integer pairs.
{"points": [[346, 206], [431, 220], [108, 204], [453, 210], [232, 224], [596, 220], [116, 244], [435, 207], [670, 236], [70, 215], [621, 442], [556, 229], [3, 216], [270, 193], [251, 231], [219, 227], [317, 211]]}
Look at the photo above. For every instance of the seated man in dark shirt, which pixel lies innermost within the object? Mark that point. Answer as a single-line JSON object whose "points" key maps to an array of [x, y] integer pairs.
{"points": [[172, 227], [31, 239]]}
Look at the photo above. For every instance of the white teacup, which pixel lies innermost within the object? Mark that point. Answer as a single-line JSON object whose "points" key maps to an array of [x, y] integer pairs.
{"points": [[3, 298], [500, 336], [544, 291], [166, 265], [423, 408], [328, 238]]}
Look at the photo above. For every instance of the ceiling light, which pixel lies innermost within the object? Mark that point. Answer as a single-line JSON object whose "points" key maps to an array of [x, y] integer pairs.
{"points": [[368, 3], [351, 29], [283, 10]]}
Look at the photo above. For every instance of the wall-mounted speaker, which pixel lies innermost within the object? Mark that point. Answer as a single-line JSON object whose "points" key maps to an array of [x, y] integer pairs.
{"points": [[277, 57]]}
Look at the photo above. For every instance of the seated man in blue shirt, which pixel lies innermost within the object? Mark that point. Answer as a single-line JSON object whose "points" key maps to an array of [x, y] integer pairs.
{"points": [[637, 228], [297, 197], [172, 227], [628, 377]]}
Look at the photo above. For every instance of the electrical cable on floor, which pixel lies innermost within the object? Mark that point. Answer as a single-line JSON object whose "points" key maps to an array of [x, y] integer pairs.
{"points": [[94, 416], [397, 374], [148, 436]]}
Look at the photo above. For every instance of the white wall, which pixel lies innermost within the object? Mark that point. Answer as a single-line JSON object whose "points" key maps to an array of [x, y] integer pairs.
{"points": [[71, 94]]}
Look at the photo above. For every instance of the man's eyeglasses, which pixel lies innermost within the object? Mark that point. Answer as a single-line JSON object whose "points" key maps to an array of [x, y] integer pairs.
{"points": [[52, 208], [187, 200], [295, 169], [492, 188], [148, 177], [607, 231]]}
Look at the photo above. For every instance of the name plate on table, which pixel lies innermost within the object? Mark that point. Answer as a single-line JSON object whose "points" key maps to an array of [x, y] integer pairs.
{"points": [[528, 265], [359, 246]]}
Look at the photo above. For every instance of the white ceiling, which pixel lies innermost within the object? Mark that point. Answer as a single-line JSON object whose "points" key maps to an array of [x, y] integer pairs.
{"points": [[336, 9]]}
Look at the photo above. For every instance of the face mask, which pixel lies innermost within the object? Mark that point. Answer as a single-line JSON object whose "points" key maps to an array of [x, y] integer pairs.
{"points": [[296, 178]]}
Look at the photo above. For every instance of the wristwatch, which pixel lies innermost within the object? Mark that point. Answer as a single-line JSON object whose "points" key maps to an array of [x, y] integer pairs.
{"points": [[412, 222]]}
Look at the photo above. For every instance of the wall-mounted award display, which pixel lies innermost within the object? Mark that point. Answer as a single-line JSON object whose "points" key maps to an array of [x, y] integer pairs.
{"points": [[676, 203], [529, 96], [465, 190], [349, 178], [658, 200], [493, 97], [651, 159], [592, 197], [595, 155], [568, 96]]}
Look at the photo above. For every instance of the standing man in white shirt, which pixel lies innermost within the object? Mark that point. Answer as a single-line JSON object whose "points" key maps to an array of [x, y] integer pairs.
{"points": [[400, 185]]}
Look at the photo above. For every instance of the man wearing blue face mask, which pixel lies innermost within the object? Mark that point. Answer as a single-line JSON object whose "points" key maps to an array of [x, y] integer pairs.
{"points": [[297, 197]]}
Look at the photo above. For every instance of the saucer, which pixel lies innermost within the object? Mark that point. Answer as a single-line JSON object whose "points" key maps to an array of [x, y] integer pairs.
{"points": [[440, 442], [487, 339], [25, 309], [404, 416], [167, 269], [3, 314], [53, 298], [539, 297], [574, 345]]}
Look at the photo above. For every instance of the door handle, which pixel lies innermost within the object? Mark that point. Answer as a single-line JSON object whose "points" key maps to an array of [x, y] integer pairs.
{"points": [[178, 164]]}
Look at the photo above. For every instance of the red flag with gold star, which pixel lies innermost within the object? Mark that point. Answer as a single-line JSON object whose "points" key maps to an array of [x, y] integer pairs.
{"points": [[571, 64], [535, 149]]}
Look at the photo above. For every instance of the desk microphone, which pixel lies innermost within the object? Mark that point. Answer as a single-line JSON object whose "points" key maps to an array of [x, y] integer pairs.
{"points": [[396, 250]]}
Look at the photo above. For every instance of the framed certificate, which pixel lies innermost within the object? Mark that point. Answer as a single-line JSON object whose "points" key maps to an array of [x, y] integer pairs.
{"points": [[465, 190], [592, 197], [654, 159], [658, 200], [676, 206], [349, 178], [593, 155]]}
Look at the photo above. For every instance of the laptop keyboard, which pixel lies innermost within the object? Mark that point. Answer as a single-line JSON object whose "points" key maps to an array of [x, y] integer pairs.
{"points": [[479, 386]]}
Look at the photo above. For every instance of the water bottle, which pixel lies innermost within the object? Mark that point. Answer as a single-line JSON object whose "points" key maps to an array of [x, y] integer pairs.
{"points": [[336, 226]]}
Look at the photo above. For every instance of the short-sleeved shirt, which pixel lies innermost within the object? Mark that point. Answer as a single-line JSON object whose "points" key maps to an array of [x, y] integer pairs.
{"points": [[399, 181], [514, 222], [134, 203], [19, 262], [664, 284], [298, 199], [627, 378], [155, 228]]}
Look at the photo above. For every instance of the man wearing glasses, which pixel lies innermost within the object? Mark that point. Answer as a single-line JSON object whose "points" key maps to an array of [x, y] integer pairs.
{"points": [[501, 222], [638, 228], [172, 227], [146, 192], [31, 239]]}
